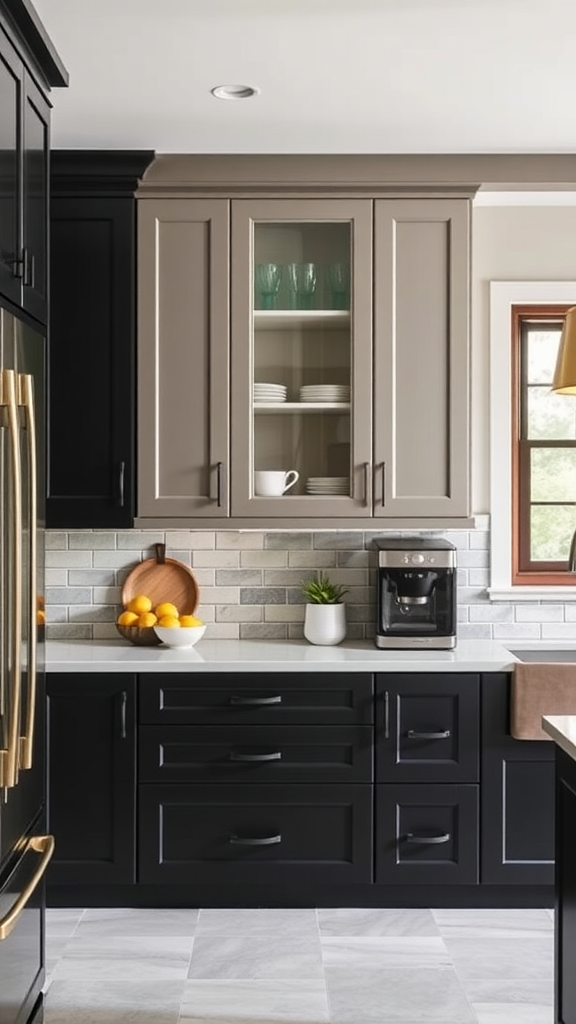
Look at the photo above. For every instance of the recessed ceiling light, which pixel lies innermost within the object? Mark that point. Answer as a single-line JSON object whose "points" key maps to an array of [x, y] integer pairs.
{"points": [[234, 92]]}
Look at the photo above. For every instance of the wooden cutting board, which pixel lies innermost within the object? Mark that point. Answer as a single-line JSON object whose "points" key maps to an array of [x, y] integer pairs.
{"points": [[163, 579]]}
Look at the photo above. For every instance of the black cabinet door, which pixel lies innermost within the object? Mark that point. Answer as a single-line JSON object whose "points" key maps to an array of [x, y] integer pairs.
{"points": [[517, 809], [427, 727], [11, 86], [219, 834], [35, 149], [565, 920], [427, 834], [92, 777], [91, 361]]}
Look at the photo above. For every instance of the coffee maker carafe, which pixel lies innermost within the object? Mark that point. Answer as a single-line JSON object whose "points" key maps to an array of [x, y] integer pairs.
{"points": [[416, 601]]}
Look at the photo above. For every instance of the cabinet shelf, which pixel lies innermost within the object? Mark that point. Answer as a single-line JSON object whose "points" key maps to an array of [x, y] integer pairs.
{"points": [[287, 407], [291, 319]]}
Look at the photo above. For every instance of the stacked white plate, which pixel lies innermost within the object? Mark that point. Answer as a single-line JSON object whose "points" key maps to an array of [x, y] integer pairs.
{"points": [[325, 393], [328, 485], [270, 392]]}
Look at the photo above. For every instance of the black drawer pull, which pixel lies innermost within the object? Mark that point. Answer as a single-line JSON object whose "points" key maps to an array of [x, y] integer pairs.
{"points": [[427, 840], [276, 755], [444, 735], [253, 701], [249, 841]]}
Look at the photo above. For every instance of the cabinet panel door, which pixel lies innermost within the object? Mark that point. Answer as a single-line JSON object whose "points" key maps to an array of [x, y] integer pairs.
{"points": [[421, 418], [257, 753], [255, 834], [258, 699], [517, 796], [35, 150], [315, 345], [427, 835], [92, 778], [428, 727], [11, 72], [92, 363], [183, 375]]}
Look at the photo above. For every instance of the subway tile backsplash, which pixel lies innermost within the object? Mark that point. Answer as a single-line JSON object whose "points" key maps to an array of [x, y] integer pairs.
{"points": [[249, 582]]}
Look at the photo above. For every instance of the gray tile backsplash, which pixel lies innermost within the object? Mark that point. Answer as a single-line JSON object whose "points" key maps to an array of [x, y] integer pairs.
{"points": [[249, 582]]}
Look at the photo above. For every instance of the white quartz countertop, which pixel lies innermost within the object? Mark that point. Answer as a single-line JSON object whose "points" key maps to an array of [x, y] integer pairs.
{"points": [[562, 729], [273, 656]]}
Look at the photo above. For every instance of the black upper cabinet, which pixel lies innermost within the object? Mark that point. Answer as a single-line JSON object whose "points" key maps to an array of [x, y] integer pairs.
{"points": [[91, 414], [24, 158]]}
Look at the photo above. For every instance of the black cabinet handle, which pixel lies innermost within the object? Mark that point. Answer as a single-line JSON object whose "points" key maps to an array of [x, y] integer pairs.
{"points": [[29, 268], [219, 484], [383, 495], [254, 841], [427, 840], [123, 703], [443, 735], [276, 755], [121, 476], [253, 701], [386, 715]]}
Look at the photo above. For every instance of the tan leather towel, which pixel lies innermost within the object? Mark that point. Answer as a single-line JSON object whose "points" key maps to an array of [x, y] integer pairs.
{"points": [[540, 689]]}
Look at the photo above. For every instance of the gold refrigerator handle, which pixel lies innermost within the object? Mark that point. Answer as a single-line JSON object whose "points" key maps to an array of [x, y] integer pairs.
{"points": [[45, 846], [26, 399], [9, 756]]}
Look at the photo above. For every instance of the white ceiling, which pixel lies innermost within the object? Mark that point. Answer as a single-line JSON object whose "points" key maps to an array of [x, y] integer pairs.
{"points": [[336, 76]]}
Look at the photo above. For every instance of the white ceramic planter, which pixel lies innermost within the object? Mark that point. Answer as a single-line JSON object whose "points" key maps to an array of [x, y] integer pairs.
{"points": [[325, 624]]}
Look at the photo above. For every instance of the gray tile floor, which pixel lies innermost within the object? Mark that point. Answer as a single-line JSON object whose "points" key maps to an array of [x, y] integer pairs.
{"points": [[299, 966]]}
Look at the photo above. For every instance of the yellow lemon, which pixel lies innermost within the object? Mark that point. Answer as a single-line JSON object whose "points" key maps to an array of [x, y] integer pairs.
{"points": [[147, 619], [169, 620], [127, 619], [166, 608], [190, 620], [140, 604]]}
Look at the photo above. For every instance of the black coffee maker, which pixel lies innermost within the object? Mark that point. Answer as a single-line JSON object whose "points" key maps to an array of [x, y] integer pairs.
{"points": [[416, 602]]}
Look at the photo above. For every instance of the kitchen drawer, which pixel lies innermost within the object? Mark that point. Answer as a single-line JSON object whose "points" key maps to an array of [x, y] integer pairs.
{"points": [[428, 728], [306, 698], [427, 835], [220, 834], [255, 753]]}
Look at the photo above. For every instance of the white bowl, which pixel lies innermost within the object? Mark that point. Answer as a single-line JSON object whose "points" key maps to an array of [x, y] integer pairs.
{"points": [[180, 636]]}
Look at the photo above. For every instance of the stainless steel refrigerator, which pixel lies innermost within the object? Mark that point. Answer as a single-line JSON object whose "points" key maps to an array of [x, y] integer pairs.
{"points": [[25, 849]]}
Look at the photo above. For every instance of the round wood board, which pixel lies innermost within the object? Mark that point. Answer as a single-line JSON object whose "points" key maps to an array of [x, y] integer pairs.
{"points": [[163, 579]]}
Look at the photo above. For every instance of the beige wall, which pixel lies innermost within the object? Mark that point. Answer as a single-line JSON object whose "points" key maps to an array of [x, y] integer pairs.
{"points": [[521, 243]]}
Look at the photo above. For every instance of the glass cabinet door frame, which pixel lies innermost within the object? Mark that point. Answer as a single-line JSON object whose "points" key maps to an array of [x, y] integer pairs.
{"points": [[247, 214]]}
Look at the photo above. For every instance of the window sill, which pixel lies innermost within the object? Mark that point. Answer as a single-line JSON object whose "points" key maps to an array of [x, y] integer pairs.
{"points": [[556, 594]]}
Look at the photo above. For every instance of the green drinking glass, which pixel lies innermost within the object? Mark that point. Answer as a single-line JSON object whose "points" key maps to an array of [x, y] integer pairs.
{"points": [[268, 278]]}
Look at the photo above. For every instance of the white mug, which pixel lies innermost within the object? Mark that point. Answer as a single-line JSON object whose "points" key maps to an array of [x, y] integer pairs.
{"points": [[273, 482]]}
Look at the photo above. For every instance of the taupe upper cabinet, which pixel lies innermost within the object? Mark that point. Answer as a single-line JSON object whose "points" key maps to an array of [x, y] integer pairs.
{"points": [[324, 336], [183, 357]]}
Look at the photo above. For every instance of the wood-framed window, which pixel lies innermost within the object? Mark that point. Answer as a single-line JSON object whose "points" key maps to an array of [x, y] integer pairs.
{"points": [[543, 451]]}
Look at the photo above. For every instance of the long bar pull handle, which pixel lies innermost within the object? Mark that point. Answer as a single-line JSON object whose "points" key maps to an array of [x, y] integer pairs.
{"points": [[26, 399], [10, 754], [255, 841], [386, 715], [253, 701], [383, 494], [275, 755], [367, 485], [443, 735], [444, 837], [123, 703], [43, 845], [219, 484], [121, 483]]}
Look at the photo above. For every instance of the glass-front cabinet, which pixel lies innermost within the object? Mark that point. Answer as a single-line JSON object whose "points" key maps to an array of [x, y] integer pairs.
{"points": [[301, 358]]}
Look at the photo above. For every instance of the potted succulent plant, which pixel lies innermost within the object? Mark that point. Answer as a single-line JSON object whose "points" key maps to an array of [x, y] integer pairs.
{"points": [[325, 617]]}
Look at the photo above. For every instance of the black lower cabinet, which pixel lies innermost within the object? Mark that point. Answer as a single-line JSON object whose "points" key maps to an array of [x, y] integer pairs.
{"points": [[92, 778], [565, 918], [517, 797], [255, 834], [427, 834]]}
